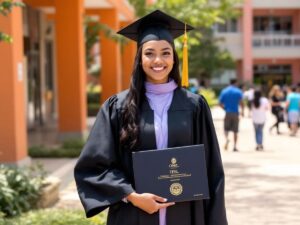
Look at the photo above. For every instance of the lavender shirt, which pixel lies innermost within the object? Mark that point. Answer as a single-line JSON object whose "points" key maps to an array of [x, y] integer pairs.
{"points": [[160, 97]]}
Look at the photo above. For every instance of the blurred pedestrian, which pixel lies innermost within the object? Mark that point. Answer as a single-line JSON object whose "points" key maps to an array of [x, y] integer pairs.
{"points": [[293, 109], [230, 99], [259, 108], [248, 96], [276, 99]]}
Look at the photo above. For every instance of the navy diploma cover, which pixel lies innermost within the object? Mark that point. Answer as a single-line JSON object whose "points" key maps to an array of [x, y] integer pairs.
{"points": [[178, 174]]}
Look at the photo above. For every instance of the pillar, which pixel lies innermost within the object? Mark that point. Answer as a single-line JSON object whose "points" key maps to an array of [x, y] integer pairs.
{"points": [[296, 72], [247, 41], [128, 55], [296, 22], [239, 69], [71, 71], [13, 139], [110, 77]]}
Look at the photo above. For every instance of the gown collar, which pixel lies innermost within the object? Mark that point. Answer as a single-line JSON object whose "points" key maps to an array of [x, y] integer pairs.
{"points": [[160, 88]]}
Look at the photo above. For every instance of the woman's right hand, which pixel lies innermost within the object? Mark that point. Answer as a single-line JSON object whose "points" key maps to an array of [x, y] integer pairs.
{"points": [[147, 202]]}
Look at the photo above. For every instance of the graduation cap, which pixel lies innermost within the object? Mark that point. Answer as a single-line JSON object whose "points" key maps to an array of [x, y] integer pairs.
{"points": [[158, 25]]}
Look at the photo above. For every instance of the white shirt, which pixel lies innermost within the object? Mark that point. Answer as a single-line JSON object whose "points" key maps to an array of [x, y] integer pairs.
{"points": [[259, 114], [249, 94]]}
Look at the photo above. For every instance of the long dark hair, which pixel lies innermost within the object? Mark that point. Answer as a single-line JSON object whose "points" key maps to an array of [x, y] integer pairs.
{"points": [[256, 99], [129, 134]]}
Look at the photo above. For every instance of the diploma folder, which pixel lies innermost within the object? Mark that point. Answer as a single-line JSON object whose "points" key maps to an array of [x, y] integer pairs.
{"points": [[178, 174]]}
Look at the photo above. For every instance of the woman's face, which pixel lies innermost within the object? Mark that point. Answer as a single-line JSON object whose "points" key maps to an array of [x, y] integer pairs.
{"points": [[157, 61]]}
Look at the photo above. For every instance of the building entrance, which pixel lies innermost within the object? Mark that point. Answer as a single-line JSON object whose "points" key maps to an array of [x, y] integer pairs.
{"points": [[269, 75]]}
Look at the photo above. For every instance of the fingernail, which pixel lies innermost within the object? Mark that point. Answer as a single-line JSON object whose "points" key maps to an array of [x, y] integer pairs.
{"points": [[165, 199]]}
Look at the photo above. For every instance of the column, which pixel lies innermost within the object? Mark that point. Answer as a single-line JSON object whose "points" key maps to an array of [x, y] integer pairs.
{"points": [[296, 72], [239, 69], [13, 139], [296, 22], [71, 71], [247, 41], [128, 55], [110, 77]]}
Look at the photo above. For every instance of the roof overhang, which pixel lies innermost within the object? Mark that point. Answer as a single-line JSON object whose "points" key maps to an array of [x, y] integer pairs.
{"points": [[125, 10]]}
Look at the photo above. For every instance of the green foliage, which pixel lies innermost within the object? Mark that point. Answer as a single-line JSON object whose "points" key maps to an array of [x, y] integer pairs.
{"points": [[73, 144], [139, 6], [92, 31], [198, 13], [7, 5], [93, 94], [55, 217], [93, 99], [19, 189], [5, 8], [205, 57], [69, 149], [208, 59], [210, 96], [5, 37]]}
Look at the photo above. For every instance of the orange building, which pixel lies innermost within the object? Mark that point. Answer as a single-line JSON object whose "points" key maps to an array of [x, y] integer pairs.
{"points": [[43, 73], [264, 41]]}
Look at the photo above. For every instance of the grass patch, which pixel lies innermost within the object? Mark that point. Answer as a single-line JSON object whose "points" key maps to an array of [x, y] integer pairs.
{"points": [[69, 149], [55, 217]]}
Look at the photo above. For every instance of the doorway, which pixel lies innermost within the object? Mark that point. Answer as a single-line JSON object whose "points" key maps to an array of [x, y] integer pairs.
{"points": [[268, 75]]}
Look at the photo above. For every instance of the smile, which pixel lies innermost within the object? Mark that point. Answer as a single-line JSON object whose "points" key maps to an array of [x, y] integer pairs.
{"points": [[158, 69]]}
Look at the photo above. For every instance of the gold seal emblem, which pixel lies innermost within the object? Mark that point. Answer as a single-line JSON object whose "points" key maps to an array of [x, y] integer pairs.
{"points": [[176, 189], [173, 161]]}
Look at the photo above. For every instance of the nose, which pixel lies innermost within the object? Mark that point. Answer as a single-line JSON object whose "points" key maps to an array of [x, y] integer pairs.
{"points": [[157, 59]]}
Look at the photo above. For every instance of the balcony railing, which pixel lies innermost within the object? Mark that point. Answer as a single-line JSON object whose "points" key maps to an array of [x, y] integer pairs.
{"points": [[276, 40]]}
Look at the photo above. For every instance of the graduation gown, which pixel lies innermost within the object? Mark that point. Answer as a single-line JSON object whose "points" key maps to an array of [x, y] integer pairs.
{"points": [[104, 174]]}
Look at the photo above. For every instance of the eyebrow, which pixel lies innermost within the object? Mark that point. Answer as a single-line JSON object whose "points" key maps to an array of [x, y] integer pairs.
{"points": [[152, 49]]}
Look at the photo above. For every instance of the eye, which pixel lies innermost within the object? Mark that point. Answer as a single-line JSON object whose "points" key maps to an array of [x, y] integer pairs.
{"points": [[166, 53], [148, 53]]}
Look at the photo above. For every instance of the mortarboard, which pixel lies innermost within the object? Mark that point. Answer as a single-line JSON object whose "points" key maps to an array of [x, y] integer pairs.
{"points": [[155, 26], [158, 25]]}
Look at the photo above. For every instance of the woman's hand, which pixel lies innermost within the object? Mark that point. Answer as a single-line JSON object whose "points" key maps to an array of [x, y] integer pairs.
{"points": [[147, 202]]}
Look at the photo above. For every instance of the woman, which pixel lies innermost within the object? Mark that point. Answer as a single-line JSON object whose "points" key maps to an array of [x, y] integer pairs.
{"points": [[293, 109], [260, 106], [276, 98], [154, 113]]}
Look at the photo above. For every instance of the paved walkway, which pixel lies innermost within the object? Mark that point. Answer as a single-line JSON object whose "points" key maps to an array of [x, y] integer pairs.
{"points": [[262, 188]]}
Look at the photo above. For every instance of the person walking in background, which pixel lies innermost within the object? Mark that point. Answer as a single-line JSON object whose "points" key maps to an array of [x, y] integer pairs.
{"points": [[293, 108], [230, 99], [276, 99], [242, 87], [259, 108], [248, 96]]}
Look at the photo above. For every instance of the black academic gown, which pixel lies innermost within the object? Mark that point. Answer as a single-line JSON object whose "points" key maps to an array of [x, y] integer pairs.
{"points": [[104, 173]]}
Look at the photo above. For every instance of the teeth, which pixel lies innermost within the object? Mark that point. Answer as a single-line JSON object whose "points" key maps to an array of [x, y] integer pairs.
{"points": [[158, 68]]}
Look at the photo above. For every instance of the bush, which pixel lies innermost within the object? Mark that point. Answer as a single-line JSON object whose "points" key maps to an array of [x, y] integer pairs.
{"points": [[19, 189], [44, 152], [93, 109], [93, 98], [73, 144], [55, 217], [210, 96], [93, 93], [69, 149]]}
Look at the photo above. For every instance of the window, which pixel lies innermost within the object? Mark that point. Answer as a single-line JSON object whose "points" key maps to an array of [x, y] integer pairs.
{"points": [[227, 27], [272, 25]]}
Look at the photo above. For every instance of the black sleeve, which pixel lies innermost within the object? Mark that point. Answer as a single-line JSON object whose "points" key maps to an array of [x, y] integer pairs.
{"points": [[214, 207], [99, 179]]}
